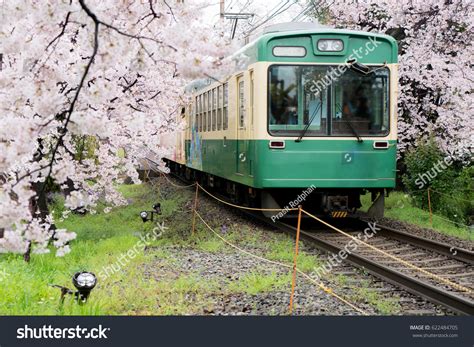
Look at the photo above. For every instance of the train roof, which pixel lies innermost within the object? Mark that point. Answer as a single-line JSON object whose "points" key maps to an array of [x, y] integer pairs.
{"points": [[366, 47], [307, 35]]}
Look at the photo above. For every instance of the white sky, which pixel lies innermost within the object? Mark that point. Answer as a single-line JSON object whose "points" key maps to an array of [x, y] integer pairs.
{"points": [[261, 8]]}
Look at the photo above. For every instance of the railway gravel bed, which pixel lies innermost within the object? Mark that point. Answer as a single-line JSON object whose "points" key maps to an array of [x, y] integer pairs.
{"points": [[230, 266]]}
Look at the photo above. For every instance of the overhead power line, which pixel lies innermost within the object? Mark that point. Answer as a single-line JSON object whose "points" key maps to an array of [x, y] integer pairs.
{"points": [[280, 10]]}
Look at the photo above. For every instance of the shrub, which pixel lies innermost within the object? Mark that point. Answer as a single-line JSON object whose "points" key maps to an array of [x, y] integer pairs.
{"points": [[451, 185]]}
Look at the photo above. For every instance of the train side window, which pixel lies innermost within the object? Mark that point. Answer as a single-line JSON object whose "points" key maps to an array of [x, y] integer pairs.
{"points": [[251, 98], [199, 113], [214, 109], [209, 110], [226, 114], [219, 108], [241, 105], [196, 113], [204, 112]]}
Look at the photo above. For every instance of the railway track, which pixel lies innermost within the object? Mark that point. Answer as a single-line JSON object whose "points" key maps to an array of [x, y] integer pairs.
{"points": [[443, 260], [455, 265]]}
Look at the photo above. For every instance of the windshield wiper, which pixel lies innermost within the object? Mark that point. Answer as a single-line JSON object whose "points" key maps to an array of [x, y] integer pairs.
{"points": [[309, 123], [359, 139], [363, 69], [358, 67]]}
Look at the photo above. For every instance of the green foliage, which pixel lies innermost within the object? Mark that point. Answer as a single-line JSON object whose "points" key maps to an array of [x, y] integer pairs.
{"points": [[421, 174], [450, 185], [400, 206], [85, 146]]}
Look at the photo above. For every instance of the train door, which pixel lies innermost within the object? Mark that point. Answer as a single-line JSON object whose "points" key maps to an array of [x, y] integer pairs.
{"points": [[241, 147]]}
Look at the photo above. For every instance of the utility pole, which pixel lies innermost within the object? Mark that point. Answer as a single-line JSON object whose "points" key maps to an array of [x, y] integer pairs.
{"points": [[235, 18], [222, 9]]}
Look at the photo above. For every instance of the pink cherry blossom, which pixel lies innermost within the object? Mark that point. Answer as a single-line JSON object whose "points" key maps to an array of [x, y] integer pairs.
{"points": [[75, 70], [436, 71]]}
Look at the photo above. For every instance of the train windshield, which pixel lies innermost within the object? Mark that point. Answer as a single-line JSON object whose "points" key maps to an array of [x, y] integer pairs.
{"points": [[328, 101]]}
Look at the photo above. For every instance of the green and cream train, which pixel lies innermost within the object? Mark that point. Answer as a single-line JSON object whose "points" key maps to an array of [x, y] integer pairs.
{"points": [[313, 107]]}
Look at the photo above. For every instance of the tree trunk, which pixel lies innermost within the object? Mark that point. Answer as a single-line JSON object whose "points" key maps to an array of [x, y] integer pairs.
{"points": [[27, 255], [38, 209]]}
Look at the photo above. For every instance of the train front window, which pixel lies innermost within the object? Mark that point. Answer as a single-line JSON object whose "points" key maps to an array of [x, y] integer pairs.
{"points": [[361, 104], [328, 101]]}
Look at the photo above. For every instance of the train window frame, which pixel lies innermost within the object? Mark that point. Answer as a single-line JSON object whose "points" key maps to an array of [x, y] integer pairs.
{"points": [[328, 133], [225, 115]]}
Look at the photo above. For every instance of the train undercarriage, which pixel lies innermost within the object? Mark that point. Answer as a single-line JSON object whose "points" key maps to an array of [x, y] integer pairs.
{"points": [[324, 202]]}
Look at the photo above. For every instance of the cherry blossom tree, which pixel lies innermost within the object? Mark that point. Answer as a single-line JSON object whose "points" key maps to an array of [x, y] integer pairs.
{"points": [[436, 68], [110, 72]]}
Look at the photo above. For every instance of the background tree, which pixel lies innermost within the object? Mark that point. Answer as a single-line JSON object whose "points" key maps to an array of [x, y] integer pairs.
{"points": [[436, 68], [110, 72]]}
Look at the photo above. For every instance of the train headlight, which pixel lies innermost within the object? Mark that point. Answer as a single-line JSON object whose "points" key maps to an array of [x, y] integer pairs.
{"points": [[144, 216], [330, 45]]}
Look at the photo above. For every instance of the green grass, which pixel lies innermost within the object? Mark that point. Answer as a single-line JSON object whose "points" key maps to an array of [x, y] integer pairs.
{"points": [[386, 306], [400, 207], [284, 251], [101, 240], [256, 282]]}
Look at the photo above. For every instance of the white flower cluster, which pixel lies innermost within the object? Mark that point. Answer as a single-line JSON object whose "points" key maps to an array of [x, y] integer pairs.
{"points": [[78, 112], [436, 46]]}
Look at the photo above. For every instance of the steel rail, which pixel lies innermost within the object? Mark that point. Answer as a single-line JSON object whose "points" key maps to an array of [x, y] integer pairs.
{"points": [[453, 252], [428, 291]]}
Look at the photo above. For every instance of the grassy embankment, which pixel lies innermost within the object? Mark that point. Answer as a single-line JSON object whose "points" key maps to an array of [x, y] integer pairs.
{"points": [[399, 206], [136, 288]]}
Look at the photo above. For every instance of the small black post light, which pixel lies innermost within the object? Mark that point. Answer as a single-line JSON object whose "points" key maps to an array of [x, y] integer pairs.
{"points": [[144, 216], [84, 282], [148, 215]]}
